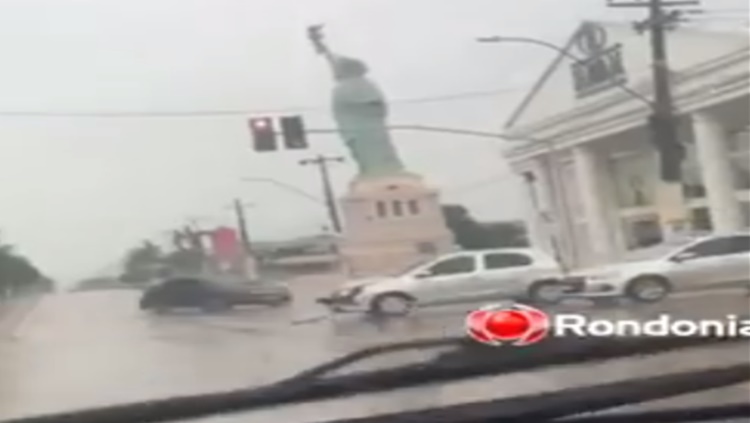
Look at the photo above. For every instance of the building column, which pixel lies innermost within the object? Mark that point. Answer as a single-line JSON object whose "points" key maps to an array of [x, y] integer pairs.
{"points": [[716, 168], [541, 212], [536, 227], [591, 174]]}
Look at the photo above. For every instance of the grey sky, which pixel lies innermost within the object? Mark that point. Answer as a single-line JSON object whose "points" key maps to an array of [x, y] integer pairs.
{"points": [[76, 192]]}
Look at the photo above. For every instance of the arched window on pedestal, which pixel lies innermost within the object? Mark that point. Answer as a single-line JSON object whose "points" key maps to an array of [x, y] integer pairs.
{"points": [[381, 209], [398, 208], [413, 207]]}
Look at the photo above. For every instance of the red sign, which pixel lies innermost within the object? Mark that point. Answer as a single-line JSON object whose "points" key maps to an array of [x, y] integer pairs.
{"points": [[225, 243]]}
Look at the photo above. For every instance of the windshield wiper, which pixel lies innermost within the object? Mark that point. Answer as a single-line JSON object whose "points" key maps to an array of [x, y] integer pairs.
{"points": [[467, 360]]}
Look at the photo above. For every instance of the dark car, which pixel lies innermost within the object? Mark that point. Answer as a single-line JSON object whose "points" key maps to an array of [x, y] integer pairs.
{"points": [[211, 295]]}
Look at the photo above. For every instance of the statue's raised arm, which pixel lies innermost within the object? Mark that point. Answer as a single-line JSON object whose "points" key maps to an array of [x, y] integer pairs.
{"points": [[315, 34]]}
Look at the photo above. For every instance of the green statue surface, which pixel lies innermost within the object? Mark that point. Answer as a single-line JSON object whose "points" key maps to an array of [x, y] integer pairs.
{"points": [[361, 113]]}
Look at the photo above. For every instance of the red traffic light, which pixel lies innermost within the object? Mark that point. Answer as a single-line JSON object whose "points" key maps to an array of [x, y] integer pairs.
{"points": [[261, 123], [264, 136]]}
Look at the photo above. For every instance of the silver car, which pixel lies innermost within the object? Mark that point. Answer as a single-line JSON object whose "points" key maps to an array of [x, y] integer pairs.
{"points": [[707, 262]]}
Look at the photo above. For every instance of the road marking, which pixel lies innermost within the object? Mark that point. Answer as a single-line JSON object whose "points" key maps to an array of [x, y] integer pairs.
{"points": [[708, 292], [308, 320]]}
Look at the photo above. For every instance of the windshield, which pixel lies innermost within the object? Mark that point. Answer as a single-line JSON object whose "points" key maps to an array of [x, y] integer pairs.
{"points": [[296, 150], [412, 267]]}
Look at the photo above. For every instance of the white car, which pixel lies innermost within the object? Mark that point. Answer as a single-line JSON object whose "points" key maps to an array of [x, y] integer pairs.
{"points": [[715, 261], [466, 276]]}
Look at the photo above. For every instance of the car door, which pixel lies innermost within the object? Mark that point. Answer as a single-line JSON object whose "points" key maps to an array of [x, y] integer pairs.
{"points": [[712, 263], [447, 280], [259, 292], [184, 292], [504, 274], [738, 262]]}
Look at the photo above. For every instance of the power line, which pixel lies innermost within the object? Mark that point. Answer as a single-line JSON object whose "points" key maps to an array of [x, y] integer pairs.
{"points": [[244, 113]]}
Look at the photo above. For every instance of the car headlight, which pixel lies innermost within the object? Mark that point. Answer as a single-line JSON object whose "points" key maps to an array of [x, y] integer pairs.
{"points": [[349, 292]]}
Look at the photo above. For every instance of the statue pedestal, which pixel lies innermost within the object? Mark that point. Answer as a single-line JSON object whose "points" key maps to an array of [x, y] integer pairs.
{"points": [[390, 223]]}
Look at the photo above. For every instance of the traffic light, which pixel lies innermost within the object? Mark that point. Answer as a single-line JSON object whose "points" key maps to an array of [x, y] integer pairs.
{"points": [[293, 131], [264, 136]]}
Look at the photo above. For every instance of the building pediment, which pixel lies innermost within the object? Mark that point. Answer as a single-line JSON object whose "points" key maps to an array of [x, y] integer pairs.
{"points": [[600, 57]]}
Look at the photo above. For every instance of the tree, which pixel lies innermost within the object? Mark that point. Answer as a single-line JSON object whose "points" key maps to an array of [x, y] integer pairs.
{"points": [[142, 263], [18, 274], [472, 235], [466, 231], [506, 234]]}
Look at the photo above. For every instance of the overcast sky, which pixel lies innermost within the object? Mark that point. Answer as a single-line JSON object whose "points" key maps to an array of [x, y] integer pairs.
{"points": [[76, 192]]}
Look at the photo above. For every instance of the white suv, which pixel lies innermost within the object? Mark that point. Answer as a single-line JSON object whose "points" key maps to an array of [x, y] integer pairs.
{"points": [[715, 261], [465, 276]]}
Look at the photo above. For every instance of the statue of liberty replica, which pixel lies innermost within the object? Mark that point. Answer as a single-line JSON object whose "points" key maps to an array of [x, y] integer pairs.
{"points": [[391, 218]]}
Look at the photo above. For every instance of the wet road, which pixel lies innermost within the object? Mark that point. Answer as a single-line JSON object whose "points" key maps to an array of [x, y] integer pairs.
{"points": [[91, 349]]}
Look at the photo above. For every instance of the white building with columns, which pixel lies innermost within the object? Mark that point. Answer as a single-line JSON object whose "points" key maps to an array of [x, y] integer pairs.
{"points": [[584, 150]]}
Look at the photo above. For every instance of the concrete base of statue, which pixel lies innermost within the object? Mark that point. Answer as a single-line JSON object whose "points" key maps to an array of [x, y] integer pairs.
{"points": [[390, 223]]}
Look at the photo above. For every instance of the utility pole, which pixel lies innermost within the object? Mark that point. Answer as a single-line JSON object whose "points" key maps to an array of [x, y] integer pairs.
{"points": [[239, 211], [322, 163], [247, 266], [663, 122]]}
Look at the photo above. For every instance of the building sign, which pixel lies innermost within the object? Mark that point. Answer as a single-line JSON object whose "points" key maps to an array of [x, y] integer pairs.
{"points": [[600, 66], [226, 244]]}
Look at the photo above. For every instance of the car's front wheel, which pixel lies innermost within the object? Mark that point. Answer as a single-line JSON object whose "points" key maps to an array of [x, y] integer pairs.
{"points": [[648, 289], [393, 304]]}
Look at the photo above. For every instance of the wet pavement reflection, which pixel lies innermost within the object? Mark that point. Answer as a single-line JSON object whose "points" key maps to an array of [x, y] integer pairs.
{"points": [[96, 348]]}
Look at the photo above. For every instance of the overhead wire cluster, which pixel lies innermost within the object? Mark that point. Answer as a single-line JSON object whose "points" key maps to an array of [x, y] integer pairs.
{"points": [[712, 15], [246, 113]]}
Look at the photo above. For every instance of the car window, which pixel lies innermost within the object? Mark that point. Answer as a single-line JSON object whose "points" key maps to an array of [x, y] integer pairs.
{"points": [[721, 246], [505, 260], [453, 266], [741, 244], [183, 284]]}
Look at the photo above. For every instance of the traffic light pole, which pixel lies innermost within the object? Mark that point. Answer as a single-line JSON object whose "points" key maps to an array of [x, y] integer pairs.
{"points": [[330, 199]]}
